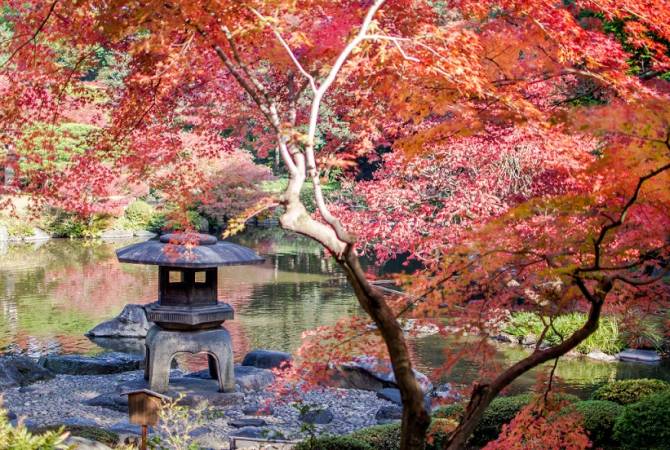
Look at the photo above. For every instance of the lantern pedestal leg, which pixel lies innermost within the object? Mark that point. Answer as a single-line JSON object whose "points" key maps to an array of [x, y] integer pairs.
{"points": [[162, 345]]}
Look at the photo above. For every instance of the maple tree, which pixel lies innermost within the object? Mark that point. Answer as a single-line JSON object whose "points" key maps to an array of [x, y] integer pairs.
{"points": [[496, 181]]}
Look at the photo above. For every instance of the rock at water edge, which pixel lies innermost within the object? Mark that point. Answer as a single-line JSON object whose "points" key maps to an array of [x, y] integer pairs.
{"points": [[130, 323], [371, 374], [21, 371], [647, 356], [266, 359], [104, 364]]}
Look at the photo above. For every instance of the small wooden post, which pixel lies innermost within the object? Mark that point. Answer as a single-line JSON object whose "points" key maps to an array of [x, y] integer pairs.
{"points": [[143, 409]]}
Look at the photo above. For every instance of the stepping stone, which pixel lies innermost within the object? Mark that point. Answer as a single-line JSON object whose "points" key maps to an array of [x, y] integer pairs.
{"points": [[240, 423]]}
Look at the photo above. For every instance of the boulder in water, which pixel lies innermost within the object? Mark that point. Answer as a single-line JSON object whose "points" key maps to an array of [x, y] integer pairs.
{"points": [[131, 323]]}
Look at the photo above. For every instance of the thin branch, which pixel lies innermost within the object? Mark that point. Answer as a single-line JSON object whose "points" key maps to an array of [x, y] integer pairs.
{"points": [[33, 37], [284, 44], [597, 250]]}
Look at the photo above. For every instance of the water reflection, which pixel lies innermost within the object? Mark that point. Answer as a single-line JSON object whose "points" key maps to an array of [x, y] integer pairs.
{"points": [[52, 293]]}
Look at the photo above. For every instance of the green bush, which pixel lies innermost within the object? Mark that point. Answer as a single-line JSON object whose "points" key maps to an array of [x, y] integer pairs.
{"points": [[17, 228], [139, 215], [645, 424], [626, 392], [387, 437], [599, 417], [501, 411], [21, 439], [62, 224], [333, 443], [380, 437], [453, 411]]}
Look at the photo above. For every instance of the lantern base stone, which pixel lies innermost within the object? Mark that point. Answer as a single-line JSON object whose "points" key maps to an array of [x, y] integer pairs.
{"points": [[162, 345]]}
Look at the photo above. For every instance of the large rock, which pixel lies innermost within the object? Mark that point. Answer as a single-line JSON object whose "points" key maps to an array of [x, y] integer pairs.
{"points": [[104, 364], [247, 378], [250, 378], [135, 346], [601, 356], [317, 416], [20, 371], [131, 323], [266, 359], [113, 401], [38, 235], [387, 414], [371, 374], [390, 394], [646, 356], [111, 235]]}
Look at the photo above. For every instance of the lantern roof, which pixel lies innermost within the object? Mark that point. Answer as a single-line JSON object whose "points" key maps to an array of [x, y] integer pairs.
{"points": [[188, 250]]}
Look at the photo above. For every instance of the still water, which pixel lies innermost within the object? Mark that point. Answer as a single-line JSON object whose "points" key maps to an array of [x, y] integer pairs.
{"points": [[51, 293]]}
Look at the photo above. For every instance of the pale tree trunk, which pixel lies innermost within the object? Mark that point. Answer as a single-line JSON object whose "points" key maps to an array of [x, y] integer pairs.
{"points": [[300, 162]]}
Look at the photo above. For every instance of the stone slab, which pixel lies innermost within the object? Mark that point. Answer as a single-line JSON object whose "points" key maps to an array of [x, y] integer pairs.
{"points": [[646, 356], [107, 363], [194, 390]]}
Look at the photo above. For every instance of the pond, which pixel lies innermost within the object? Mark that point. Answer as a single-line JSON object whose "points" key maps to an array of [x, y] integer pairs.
{"points": [[51, 293]]}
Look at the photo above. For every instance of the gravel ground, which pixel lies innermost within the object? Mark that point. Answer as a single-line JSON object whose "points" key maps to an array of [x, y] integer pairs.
{"points": [[61, 401]]}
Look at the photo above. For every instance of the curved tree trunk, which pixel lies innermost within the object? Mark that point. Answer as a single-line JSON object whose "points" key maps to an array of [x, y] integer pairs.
{"points": [[483, 394], [415, 418]]}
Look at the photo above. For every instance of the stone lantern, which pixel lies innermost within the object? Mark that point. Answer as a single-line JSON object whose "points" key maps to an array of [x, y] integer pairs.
{"points": [[188, 314]]}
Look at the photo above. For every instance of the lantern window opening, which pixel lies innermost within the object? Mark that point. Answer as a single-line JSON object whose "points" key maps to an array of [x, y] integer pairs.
{"points": [[176, 276], [201, 277]]}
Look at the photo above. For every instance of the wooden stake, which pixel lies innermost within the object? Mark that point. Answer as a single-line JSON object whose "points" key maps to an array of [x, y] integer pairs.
{"points": [[144, 437]]}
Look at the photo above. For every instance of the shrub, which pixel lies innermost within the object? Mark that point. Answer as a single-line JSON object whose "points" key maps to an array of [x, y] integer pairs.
{"points": [[645, 424], [387, 437], [453, 411], [626, 392], [380, 437], [61, 224], [333, 443], [20, 438], [599, 417], [139, 215], [17, 228], [501, 411]]}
